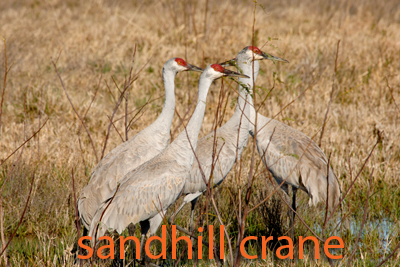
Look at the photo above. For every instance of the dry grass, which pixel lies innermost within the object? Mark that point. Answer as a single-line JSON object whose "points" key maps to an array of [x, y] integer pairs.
{"points": [[94, 38]]}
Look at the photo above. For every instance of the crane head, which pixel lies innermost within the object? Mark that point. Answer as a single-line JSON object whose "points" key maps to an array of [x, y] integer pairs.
{"points": [[218, 71], [182, 65], [257, 54], [251, 53]]}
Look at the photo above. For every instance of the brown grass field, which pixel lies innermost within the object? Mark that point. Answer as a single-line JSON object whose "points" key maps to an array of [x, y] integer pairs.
{"points": [[94, 41]]}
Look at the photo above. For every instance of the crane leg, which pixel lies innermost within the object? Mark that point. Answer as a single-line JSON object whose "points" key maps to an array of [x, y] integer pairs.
{"points": [[85, 232], [183, 230], [117, 260], [131, 232], [144, 228], [191, 226], [292, 214], [78, 249]]}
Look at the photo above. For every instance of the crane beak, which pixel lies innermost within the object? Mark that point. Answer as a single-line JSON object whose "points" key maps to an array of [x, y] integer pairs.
{"points": [[273, 58], [228, 63], [234, 74], [191, 67]]}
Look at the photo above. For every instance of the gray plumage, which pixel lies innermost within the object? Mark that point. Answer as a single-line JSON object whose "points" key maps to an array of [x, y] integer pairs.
{"points": [[280, 146], [231, 138], [292, 156], [139, 149], [152, 187]]}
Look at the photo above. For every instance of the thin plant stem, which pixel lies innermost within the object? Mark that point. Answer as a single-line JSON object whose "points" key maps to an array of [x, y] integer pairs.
{"points": [[22, 216], [26, 141], [331, 97], [76, 112]]}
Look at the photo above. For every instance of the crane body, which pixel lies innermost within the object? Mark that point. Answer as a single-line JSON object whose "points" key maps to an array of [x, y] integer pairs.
{"points": [[148, 191], [139, 149]]}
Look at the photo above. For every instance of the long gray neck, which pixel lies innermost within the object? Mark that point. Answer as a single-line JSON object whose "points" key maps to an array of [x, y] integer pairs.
{"points": [[246, 85], [247, 68], [181, 146], [167, 114]]}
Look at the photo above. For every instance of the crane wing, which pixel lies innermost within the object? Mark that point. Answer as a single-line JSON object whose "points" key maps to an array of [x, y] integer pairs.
{"points": [[225, 152], [113, 167], [293, 157], [147, 186]]}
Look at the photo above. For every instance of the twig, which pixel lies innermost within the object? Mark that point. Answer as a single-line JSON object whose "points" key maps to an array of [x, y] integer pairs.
{"points": [[217, 119], [224, 109], [26, 141], [330, 100], [84, 117], [287, 177], [109, 91], [9, 173], [263, 157], [205, 20], [291, 102], [214, 161], [5, 79], [91, 102], [327, 196], [266, 97], [194, 152], [327, 204], [140, 108], [181, 119], [225, 231], [134, 121], [126, 116], [81, 149], [102, 214], [126, 102], [389, 256], [202, 175], [113, 114], [116, 85], [242, 220], [131, 79], [300, 218], [131, 122], [352, 183], [391, 94], [40, 120], [76, 112], [22, 216], [268, 174], [214, 148], [282, 109], [122, 139], [3, 239], [77, 221]]}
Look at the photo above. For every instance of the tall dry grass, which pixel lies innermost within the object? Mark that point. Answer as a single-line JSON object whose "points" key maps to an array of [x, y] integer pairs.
{"points": [[93, 39]]}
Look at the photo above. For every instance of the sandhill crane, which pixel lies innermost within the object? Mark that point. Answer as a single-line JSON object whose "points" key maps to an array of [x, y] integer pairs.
{"points": [[289, 155], [231, 138], [152, 187], [127, 156]]}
